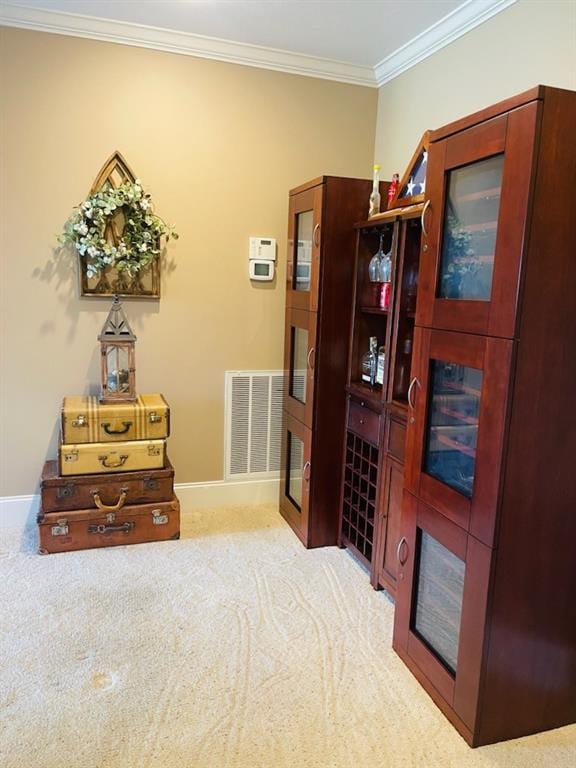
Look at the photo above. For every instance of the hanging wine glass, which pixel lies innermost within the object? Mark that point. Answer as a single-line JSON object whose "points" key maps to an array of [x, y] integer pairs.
{"points": [[385, 268], [374, 266]]}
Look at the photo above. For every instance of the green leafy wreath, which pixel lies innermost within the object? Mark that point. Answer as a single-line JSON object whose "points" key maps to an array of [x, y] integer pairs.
{"points": [[134, 248]]}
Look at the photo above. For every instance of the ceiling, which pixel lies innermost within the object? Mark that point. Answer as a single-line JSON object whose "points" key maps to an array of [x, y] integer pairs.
{"points": [[366, 34]]}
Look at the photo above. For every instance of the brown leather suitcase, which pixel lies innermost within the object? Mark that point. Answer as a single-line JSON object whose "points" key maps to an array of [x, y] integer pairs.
{"points": [[89, 528], [108, 492]]}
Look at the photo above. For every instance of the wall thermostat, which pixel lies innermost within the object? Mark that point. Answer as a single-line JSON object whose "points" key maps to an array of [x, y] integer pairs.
{"points": [[261, 258]]}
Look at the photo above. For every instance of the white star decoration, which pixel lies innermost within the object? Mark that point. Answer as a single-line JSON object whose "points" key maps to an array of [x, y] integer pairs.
{"points": [[410, 187], [424, 156], [422, 186]]}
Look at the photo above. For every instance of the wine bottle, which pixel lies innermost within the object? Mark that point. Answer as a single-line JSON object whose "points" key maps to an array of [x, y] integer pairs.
{"points": [[374, 207]]}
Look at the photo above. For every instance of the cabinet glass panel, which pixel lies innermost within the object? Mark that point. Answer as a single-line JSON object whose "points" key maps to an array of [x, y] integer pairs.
{"points": [[452, 428], [469, 231], [299, 364], [303, 251], [294, 469], [438, 603]]}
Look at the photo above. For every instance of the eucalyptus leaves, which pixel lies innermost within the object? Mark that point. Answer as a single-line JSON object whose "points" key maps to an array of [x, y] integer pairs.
{"points": [[116, 228]]}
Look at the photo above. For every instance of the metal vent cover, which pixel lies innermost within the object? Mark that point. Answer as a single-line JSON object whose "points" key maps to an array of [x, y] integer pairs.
{"points": [[253, 424]]}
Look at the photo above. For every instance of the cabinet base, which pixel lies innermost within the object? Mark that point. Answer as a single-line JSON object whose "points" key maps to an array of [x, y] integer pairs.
{"points": [[443, 705]]}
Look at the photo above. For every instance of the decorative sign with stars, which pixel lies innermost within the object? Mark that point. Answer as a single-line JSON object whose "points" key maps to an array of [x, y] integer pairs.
{"points": [[412, 186]]}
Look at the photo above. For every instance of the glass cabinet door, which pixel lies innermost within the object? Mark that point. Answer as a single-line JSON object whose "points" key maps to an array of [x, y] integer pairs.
{"points": [[478, 184], [299, 359], [442, 591], [456, 425], [304, 249], [469, 230], [295, 474]]}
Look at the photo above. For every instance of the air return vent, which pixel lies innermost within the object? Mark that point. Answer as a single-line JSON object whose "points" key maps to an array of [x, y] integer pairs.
{"points": [[253, 424]]}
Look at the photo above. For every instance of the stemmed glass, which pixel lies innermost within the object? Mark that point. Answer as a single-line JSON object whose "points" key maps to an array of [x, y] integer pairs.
{"points": [[375, 265]]}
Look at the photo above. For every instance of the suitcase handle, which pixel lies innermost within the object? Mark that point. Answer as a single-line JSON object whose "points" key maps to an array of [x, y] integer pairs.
{"points": [[112, 465], [114, 507], [106, 427], [124, 527]]}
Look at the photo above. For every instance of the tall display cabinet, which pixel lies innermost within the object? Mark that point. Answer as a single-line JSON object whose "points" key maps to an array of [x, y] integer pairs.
{"points": [[486, 556], [318, 304], [376, 413]]}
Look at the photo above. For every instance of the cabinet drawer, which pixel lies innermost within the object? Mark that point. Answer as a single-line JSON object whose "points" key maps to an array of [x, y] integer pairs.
{"points": [[364, 422], [396, 443]]}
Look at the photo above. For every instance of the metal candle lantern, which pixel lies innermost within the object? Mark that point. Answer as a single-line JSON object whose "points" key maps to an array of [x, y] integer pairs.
{"points": [[117, 343]]}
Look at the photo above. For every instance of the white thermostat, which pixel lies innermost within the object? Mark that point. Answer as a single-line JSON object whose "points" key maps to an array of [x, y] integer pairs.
{"points": [[261, 258]]}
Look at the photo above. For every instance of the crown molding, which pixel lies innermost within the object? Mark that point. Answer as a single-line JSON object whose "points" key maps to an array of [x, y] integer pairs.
{"points": [[186, 43], [438, 36]]}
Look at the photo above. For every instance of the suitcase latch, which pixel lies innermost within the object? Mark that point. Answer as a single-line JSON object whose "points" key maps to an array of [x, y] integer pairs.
{"points": [[153, 417], [65, 491], [153, 450], [158, 518], [110, 517], [71, 456], [150, 484], [61, 528], [123, 528], [80, 421]]}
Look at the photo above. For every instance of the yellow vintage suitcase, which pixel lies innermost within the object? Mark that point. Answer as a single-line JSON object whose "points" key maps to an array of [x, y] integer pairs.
{"points": [[86, 420], [98, 458]]}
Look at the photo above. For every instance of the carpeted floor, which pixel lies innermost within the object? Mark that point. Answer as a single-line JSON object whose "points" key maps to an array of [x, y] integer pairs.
{"points": [[232, 648]]}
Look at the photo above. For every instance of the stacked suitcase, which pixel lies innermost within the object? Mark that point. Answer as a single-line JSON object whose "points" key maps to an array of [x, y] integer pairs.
{"points": [[113, 483]]}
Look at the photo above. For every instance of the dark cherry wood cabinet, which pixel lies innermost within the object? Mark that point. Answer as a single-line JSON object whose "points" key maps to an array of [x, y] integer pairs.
{"points": [[376, 412], [319, 282], [485, 561]]}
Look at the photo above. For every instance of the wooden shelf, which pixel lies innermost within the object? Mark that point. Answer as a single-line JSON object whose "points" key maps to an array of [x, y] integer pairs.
{"points": [[374, 311], [476, 259], [448, 441], [454, 414], [485, 226], [463, 388], [483, 194], [371, 395]]}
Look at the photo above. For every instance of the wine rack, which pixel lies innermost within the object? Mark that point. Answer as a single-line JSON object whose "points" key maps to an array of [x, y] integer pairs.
{"points": [[359, 502]]}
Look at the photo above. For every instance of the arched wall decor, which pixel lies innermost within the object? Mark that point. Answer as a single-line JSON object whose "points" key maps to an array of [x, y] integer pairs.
{"points": [[111, 282]]}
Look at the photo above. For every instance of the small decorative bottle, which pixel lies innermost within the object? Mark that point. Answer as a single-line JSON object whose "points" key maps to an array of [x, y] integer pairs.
{"points": [[374, 207], [393, 188], [370, 363]]}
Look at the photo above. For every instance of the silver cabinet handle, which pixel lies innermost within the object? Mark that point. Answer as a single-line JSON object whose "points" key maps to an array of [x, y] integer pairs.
{"points": [[311, 352], [422, 215], [399, 547], [315, 235], [410, 390], [306, 471]]}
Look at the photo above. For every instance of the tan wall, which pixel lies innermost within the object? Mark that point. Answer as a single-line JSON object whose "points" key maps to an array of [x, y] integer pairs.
{"points": [[532, 42], [218, 146]]}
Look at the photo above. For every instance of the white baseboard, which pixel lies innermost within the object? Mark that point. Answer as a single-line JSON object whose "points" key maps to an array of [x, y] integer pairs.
{"points": [[227, 493], [20, 511]]}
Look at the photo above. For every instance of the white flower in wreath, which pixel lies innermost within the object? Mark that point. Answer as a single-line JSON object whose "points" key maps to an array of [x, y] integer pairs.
{"points": [[81, 228], [144, 203], [143, 247]]}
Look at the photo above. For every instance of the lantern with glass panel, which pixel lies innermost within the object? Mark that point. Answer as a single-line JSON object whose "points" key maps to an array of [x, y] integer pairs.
{"points": [[117, 343]]}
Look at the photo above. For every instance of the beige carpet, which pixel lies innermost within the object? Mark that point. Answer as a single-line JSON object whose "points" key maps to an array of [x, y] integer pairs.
{"points": [[233, 648]]}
